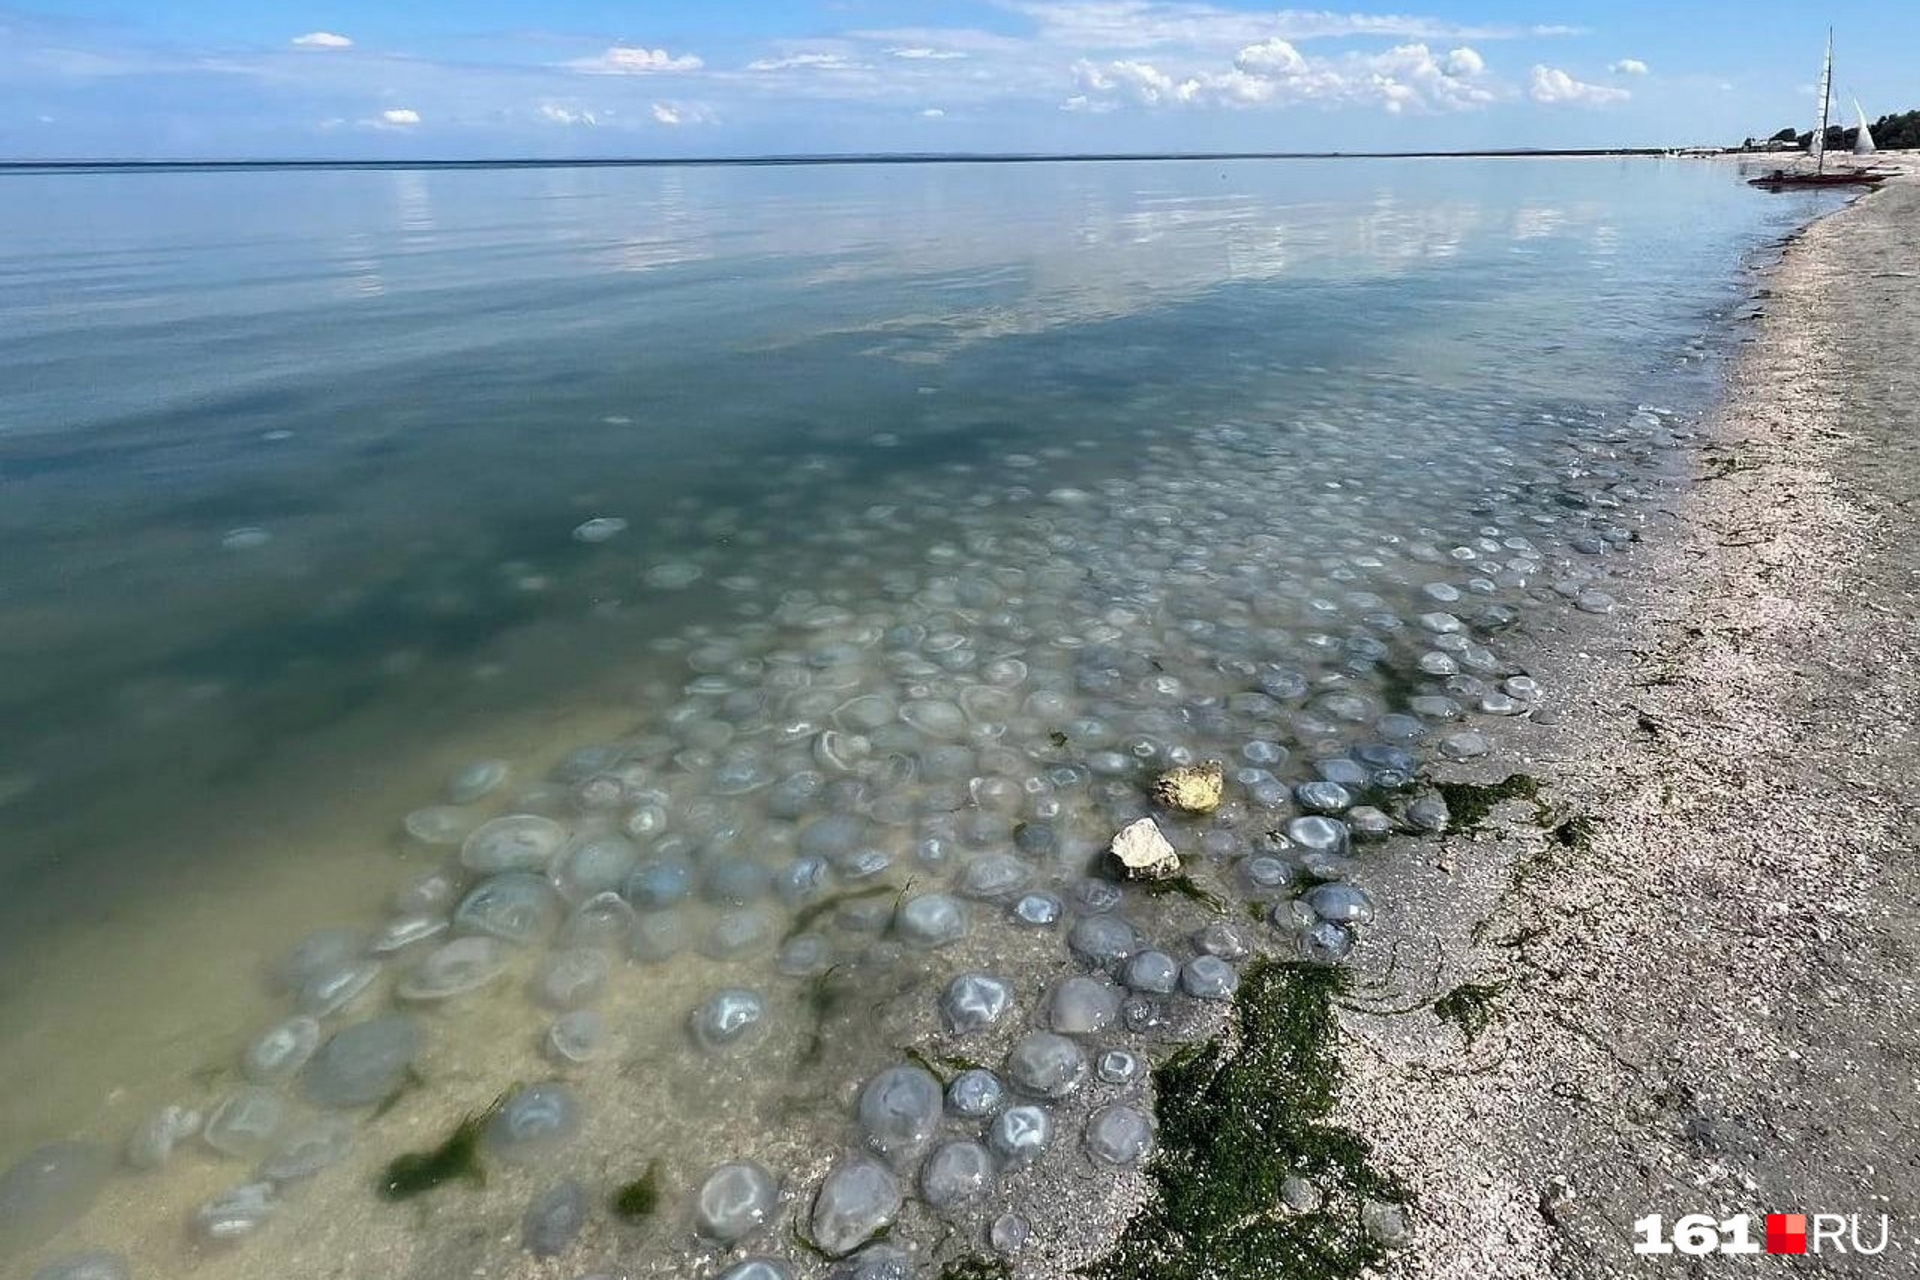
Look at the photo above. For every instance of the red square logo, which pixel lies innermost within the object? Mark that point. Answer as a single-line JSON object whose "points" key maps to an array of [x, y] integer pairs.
{"points": [[1786, 1233]]}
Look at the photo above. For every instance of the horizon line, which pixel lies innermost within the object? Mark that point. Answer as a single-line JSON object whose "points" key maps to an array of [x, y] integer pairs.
{"points": [[803, 159]]}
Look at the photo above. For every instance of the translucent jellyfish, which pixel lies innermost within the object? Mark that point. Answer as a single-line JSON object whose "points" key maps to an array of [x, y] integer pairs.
{"points": [[931, 920], [599, 529], [1154, 972], [956, 1173], [604, 921], [730, 1020], [935, 718], [94, 1264], [1221, 939], [457, 967], [1319, 835], [571, 978], [1119, 1135], [334, 989], [1429, 813], [994, 878], [734, 1201], [593, 864], [975, 1094], [675, 575], [660, 882], [1008, 1234], [1386, 1223], [734, 882], [533, 1121], [405, 931], [517, 907], [899, 1110], [1322, 797], [1326, 943], [1118, 1066], [1342, 903], [805, 955], [48, 1188], [757, 1269], [517, 842], [973, 1001], [430, 894], [364, 1063], [151, 1143], [1103, 941], [658, 935], [554, 1220], [1046, 1065], [575, 1038], [281, 1050], [1020, 1134], [306, 1149], [439, 824], [802, 881], [245, 1121], [1038, 910], [1082, 1006], [858, 1199], [235, 1214], [480, 778], [318, 952]]}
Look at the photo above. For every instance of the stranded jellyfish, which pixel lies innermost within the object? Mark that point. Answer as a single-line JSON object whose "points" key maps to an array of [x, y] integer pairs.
{"points": [[457, 967]]}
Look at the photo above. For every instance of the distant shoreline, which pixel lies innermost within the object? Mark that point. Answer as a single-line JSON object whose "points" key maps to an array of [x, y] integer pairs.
{"points": [[661, 162]]}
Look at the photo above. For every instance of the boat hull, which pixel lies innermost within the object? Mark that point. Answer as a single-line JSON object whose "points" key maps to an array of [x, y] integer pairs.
{"points": [[1779, 181]]}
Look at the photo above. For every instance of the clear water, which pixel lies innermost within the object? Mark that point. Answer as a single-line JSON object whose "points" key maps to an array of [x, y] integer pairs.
{"points": [[291, 465]]}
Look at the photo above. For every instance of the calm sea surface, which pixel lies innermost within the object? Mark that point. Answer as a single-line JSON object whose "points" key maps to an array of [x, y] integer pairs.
{"points": [[921, 495]]}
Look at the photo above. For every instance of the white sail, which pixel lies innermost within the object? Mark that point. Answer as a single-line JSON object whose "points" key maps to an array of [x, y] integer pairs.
{"points": [[1863, 141], [1817, 144]]}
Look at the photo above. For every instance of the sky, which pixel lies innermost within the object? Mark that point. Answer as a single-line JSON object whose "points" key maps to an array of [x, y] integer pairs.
{"points": [[147, 79]]}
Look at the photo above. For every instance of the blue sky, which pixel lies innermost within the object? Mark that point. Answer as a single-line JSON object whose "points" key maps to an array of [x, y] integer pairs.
{"points": [[454, 78]]}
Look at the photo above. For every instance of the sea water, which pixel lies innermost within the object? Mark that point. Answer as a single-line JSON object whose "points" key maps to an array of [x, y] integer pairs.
{"points": [[671, 646]]}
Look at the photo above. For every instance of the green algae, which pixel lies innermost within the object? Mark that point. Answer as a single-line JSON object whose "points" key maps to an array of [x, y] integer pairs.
{"points": [[635, 1201], [1237, 1117], [1469, 804], [976, 1268], [458, 1157], [1469, 1007], [1187, 887], [804, 918]]}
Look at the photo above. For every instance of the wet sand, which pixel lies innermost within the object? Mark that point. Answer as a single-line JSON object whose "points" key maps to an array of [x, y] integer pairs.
{"points": [[1701, 995]]}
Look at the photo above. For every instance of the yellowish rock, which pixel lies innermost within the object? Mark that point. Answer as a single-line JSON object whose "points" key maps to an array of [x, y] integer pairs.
{"points": [[1191, 788]]}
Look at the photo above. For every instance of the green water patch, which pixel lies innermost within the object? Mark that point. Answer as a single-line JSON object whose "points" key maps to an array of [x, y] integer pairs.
{"points": [[1240, 1115]]}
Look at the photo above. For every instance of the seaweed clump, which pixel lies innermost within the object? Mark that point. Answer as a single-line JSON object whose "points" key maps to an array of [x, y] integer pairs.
{"points": [[977, 1268], [1240, 1115], [456, 1158], [1470, 803], [636, 1200], [1469, 1007]]}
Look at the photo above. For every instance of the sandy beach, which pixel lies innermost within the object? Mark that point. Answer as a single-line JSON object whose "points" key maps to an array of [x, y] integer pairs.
{"points": [[1683, 981]]}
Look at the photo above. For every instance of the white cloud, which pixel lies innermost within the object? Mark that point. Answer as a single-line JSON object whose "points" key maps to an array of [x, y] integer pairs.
{"points": [[920, 53], [1271, 57], [1554, 86], [1144, 24], [808, 62], [933, 113], [1406, 77], [322, 40], [400, 117], [1629, 67], [635, 60], [561, 114]]}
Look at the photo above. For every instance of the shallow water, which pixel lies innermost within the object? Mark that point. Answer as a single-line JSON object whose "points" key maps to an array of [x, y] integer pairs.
{"points": [[968, 496]]}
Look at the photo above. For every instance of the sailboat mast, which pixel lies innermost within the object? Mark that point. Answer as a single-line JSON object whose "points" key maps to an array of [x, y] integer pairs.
{"points": [[1819, 147]]}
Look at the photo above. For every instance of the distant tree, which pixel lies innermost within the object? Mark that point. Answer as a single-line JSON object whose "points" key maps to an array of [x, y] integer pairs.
{"points": [[1897, 131], [1787, 134]]}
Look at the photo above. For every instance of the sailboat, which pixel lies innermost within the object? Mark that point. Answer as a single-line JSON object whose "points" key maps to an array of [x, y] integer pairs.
{"points": [[1863, 139], [1780, 179]]}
